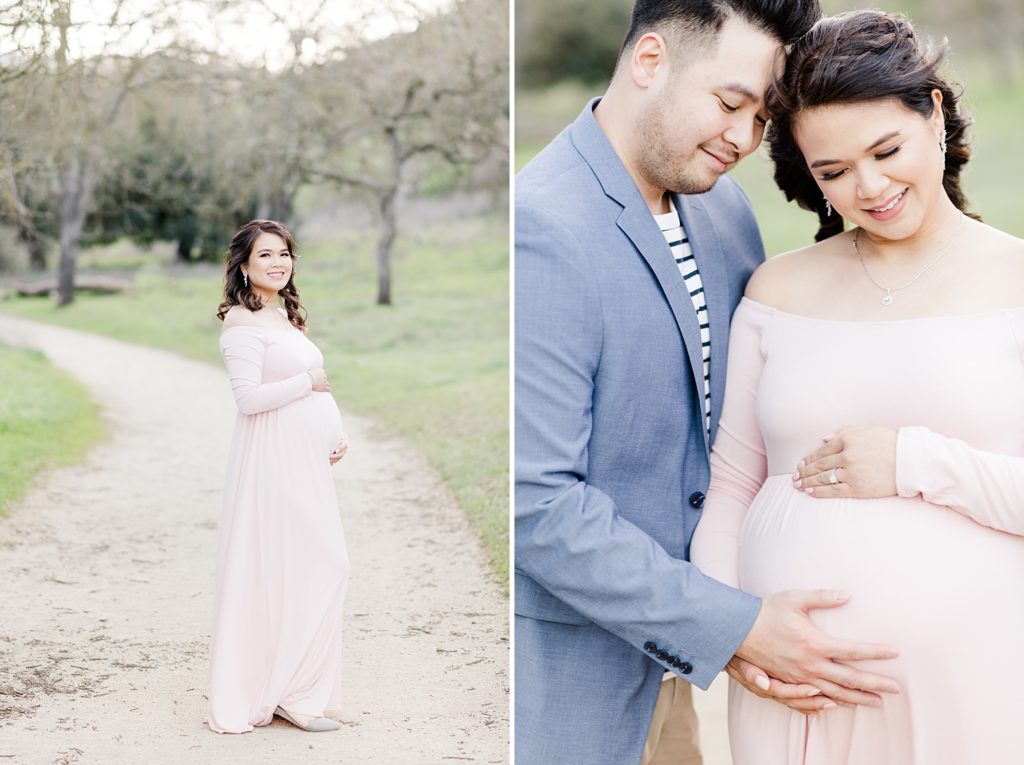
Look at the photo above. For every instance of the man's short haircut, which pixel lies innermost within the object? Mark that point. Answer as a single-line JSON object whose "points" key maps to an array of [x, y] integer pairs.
{"points": [[699, 21]]}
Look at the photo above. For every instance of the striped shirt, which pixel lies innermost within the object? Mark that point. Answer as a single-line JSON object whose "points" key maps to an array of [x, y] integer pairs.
{"points": [[672, 229]]}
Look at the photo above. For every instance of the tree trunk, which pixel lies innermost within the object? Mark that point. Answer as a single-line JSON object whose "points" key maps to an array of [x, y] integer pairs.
{"points": [[186, 241], [37, 253], [384, 244], [276, 195], [74, 190], [35, 242], [269, 193], [27, 231], [263, 201], [283, 205], [388, 223]]}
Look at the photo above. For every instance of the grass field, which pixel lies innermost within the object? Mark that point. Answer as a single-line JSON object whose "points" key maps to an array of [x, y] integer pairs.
{"points": [[433, 367], [46, 420], [989, 180]]}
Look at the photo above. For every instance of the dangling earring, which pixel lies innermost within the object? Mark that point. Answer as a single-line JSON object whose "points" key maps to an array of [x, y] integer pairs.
{"points": [[245, 278], [828, 207], [942, 143]]}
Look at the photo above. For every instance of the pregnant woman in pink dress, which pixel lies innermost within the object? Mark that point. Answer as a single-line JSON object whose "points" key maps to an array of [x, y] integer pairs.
{"points": [[282, 567], [900, 342]]}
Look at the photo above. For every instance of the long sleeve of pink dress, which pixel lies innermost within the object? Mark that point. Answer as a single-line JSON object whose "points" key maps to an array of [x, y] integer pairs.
{"points": [[739, 462], [243, 349], [282, 565], [986, 487], [934, 571]]}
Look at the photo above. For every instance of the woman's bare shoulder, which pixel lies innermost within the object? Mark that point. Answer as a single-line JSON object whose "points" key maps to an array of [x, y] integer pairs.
{"points": [[783, 278], [999, 261], [1002, 243], [240, 316]]}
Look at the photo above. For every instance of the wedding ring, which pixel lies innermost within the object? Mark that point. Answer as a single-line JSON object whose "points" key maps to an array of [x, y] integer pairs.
{"points": [[832, 476]]}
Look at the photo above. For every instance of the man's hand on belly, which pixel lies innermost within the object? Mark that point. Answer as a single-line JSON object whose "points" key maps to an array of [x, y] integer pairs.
{"points": [[788, 647]]}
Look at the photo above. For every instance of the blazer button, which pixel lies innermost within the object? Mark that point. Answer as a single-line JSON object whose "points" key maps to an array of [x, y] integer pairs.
{"points": [[686, 668], [650, 647], [662, 654], [697, 499], [673, 661]]}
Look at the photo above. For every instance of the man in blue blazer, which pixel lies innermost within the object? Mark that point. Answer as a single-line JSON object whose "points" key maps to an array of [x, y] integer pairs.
{"points": [[632, 250]]}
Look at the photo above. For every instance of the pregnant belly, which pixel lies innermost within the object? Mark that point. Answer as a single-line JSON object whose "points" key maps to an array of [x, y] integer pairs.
{"points": [[911, 568], [328, 409], [317, 416]]}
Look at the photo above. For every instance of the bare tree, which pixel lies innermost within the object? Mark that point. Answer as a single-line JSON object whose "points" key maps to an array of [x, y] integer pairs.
{"points": [[26, 221], [72, 80], [82, 159], [441, 89]]}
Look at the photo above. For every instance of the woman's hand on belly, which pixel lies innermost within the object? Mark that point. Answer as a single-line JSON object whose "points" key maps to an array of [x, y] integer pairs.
{"points": [[860, 460], [800, 697], [339, 451], [320, 381]]}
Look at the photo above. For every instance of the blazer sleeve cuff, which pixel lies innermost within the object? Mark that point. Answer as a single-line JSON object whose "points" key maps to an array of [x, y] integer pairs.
{"points": [[722, 633]]}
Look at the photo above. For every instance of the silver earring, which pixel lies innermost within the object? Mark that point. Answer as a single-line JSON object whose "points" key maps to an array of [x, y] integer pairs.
{"points": [[828, 207], [245, 278], [942, 143]]}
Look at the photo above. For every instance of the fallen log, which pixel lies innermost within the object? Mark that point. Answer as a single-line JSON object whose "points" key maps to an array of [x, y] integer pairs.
{"points": [[99, 284]]}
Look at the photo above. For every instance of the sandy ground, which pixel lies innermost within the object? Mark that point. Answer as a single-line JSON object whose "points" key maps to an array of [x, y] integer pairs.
{"points": [[106, 572]]}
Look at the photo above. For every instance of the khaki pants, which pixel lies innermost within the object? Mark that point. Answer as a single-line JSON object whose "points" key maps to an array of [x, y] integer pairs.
{"points": [[673, 738]]}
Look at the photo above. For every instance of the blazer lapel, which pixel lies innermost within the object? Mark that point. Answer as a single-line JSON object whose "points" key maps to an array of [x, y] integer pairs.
{"points": [[707, 251], [637, 223]]}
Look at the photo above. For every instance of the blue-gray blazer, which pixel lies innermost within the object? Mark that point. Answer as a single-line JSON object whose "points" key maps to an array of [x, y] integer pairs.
{"points": [[611, 452]]}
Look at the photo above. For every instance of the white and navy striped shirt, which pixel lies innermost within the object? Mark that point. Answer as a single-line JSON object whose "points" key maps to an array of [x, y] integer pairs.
{"points": [[672, 229]]}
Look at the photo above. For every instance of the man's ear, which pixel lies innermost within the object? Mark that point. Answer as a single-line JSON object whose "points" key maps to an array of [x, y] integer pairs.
{"points": [[648, 57]]}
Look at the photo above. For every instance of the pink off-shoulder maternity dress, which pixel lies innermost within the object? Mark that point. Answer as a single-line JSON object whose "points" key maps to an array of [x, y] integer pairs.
{"points": [[282, 566], [937, 571]]}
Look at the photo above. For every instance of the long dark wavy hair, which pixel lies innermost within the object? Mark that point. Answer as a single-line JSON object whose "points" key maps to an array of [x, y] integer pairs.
{"points": [[851, 58], [235, 290]]}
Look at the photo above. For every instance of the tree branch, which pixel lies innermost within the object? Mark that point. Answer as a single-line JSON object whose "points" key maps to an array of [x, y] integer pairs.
{"points": [[345, 180]]}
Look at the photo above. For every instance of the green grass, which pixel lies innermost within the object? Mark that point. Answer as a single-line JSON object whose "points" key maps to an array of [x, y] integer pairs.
{"points": [[542, 114], [989, 180], [433, 367], [46, 420]]}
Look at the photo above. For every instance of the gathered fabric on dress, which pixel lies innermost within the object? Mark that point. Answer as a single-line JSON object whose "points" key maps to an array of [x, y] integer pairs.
{"points": [[934, 571], [282, 565]]}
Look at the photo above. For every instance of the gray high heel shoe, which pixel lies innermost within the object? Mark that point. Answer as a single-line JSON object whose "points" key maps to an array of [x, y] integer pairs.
{"points": [[315, 725]]}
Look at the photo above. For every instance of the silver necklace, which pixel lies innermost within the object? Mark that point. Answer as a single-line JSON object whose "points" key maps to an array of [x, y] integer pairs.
{"points": [[887, 298]]}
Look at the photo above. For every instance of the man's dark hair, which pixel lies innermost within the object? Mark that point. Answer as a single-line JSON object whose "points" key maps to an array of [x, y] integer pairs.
{"points": [[702, 20]]}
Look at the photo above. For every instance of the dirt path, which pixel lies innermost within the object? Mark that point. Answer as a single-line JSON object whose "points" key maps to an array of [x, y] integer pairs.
{"points": [[106, 572]]}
